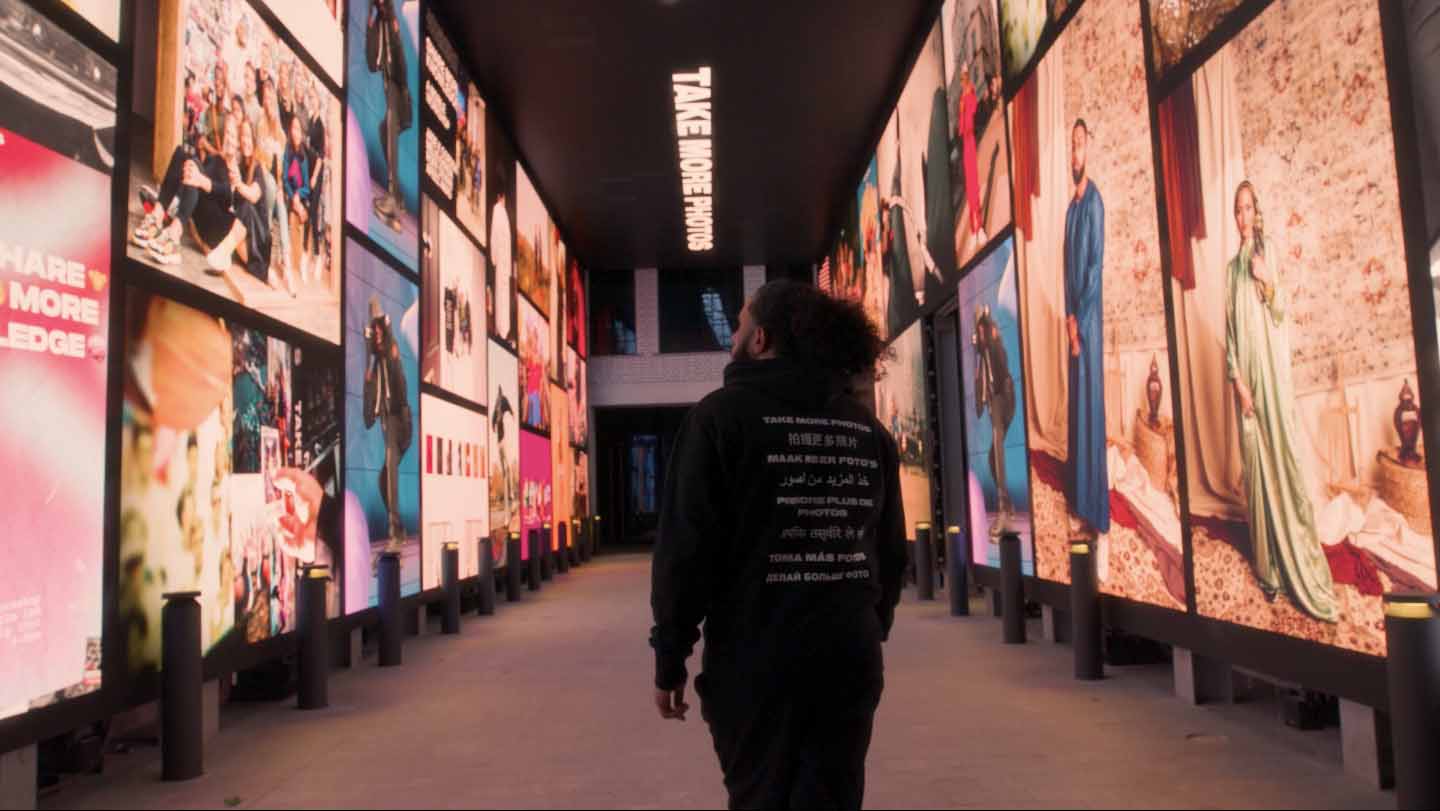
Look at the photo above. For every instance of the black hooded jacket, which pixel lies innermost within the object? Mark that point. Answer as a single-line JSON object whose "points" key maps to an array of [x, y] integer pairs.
{"points": [[782, 527]]}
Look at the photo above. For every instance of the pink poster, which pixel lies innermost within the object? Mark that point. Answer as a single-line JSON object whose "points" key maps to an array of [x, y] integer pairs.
{"points": [[54, 294], [536, 489]]}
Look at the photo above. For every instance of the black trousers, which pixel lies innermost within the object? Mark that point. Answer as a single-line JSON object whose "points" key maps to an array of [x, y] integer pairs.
{"points": [[798, 744]]}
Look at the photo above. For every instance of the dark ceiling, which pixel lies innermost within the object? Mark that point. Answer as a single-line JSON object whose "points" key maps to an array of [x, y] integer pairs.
{"points": [[584, 86]]}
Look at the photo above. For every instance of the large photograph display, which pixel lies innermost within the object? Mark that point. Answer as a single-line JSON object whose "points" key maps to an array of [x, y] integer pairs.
{"points": [[1023, 24], [582, 484], [103, 14], [235, 164], [1092, 309], [534, 248], [536, 491], [996, 456], [382, 133], [504, 419], [1307, 487], [578, 400], [576, 314], [844, 267], [562, 461], [56, 132], [229, 476], [534, 366], [316, 24], [559, 261], [1176, 28], [452, 482], [454, 117], [979, 156], [868, 280], [382, 426], [917, 222], [500, 194], [454, 308], [1422, 31], [901, 406]]}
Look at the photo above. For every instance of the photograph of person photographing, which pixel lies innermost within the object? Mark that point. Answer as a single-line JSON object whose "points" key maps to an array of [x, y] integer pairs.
{"points": [[386, 403]]}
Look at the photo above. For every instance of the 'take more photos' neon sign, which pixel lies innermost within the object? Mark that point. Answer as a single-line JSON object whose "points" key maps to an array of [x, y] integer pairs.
{"points": [[694, 132]]}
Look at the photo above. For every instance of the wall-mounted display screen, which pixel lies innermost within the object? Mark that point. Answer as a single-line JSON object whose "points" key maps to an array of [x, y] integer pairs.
{"points": [[917, 221], [229, 476], [452, 480], [103, 14], [504, 418], [1422, 32], [536, 489], [576, 318], [1307, 488], [562, 464], [996, 454], [236, 164], [57, 118], [979, 157], [577, 390], [534, 248], [454, 116], [382, 425], [582, 484], [901, 406], [382, 133], [1023, 25], [316, 25], [454, 308], [558, 305], [1177, 28], [1102, 440], [534, 365], [500, 191]]}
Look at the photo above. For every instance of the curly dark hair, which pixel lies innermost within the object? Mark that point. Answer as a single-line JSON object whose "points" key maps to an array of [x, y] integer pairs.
{"points": [[823, 333]]}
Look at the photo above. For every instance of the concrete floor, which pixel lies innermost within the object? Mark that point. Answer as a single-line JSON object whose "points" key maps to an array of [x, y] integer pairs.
{"points": [[548, 704]]}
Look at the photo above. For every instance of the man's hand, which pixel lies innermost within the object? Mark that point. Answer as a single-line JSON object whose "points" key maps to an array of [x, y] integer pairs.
{"points": [[671, 703]]}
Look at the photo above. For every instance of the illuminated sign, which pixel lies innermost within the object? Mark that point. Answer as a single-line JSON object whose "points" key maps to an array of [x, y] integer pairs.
{"points": [[694, 133]]}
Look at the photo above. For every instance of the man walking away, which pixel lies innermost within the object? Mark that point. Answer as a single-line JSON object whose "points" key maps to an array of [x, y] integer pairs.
{"points": [[783, 531]]}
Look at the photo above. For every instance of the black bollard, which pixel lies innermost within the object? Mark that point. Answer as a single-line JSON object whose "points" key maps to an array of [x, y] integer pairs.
{"points": [[577, 540], [485, 600], [562, 540], [1012, 589], [536, 562], [313, 659], [957, 559], [547, 552], [450, 576], [182, 712], [924, 563], [1085, 632], [595, 534], [582, 526], [513, 567], [392, 629], [1412, 633]]}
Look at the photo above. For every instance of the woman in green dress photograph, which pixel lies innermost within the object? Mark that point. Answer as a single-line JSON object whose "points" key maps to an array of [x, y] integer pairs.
{"points": [[1287, 553]]}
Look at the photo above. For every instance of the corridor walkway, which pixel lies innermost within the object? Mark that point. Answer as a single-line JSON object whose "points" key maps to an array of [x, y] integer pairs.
{"points": [[548, 704]]}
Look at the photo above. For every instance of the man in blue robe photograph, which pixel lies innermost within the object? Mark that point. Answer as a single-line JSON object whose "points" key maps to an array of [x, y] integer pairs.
{"points": [[1087, 479]]}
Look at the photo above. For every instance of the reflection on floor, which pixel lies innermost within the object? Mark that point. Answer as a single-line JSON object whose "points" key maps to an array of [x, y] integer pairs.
{"points": [[564, 679]]}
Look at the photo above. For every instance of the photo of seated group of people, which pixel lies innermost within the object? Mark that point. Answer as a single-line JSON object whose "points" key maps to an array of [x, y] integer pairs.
{"points": [[236, 186]]}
